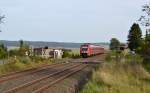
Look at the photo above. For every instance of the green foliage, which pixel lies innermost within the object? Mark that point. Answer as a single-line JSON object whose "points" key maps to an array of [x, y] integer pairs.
{"points": [[110, 56], [23, 48], [66, 54], [147, 66], [22, 63], [75, 56], [16, 52], [122, 57], [37, 59], [71, 54], [118, 78], [3, 51], [134, 37], [114, 44], [144, 50], [13, 53], [8, 68], [24, 60]]}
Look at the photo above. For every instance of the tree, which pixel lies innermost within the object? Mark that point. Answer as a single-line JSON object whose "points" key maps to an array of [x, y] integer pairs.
{"points": [[66, 54], [145, 21], [21, 43], [23, 48], [1, 19], [13, 52], [145, 18], [114, 44], [134, 37], [3, 51]]}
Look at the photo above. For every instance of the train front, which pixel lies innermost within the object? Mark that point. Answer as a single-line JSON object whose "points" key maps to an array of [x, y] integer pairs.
{"points": [[84, 50]]}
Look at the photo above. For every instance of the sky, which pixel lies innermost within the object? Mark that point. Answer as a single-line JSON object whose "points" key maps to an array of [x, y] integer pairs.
{"points": [[69, 20]]}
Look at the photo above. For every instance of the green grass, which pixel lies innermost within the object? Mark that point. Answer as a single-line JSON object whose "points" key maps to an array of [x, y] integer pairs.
{"points": [[147, 67], [75, 51], [22, 63], [119, 76]]}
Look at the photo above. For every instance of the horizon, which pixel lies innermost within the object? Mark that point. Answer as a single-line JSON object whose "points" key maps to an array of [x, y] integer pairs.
{"points": [[53, 41]]}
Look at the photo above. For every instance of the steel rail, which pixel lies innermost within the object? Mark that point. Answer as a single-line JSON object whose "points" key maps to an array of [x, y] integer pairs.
{"points": [[13, 90], [42, 89], [19, 74]]}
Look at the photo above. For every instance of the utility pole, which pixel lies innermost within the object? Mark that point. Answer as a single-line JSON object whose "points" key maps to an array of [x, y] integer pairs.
{"points": [[8, 55]]}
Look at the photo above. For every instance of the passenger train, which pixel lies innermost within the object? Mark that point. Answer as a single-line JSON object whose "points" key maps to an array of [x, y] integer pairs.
{"points": [[87, 50]]}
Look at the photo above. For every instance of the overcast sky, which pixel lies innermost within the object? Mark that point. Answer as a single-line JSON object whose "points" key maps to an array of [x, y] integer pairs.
{"points": [[68, 20]]}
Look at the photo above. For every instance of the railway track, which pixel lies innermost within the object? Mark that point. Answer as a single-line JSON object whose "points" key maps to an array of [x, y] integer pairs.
{"points": [[23, 78], [37, 80], [15, 75], [45, 87], [53, 78]]}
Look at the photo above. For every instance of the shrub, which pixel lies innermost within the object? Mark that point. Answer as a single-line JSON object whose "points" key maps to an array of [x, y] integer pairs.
{"points": [[66, 54], [75, 56]]}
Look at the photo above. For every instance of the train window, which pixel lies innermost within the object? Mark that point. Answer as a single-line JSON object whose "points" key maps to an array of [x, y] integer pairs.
{"points": [[84, 49]]}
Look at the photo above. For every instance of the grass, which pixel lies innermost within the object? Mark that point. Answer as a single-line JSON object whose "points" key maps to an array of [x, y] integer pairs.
{"points": [[128, 76], [119, 78], [147, 67], [75, 51], [22, 63]]}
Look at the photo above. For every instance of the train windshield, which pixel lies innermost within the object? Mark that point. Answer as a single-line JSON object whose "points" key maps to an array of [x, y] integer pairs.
{"points": [[84, 49]]}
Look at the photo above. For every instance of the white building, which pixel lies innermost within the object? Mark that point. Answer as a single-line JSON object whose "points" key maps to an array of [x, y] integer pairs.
{"points": [[58, 53], [48, 52]]}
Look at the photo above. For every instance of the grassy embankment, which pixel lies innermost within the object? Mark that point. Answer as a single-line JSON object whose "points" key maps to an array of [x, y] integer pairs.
{"points": [[23, 63], [119, 77]]}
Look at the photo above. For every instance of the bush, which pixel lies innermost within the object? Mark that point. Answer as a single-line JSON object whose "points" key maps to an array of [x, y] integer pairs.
{"points": [[25, 60], [13, 53], [66, 54], [75, 56], [108, 58], [22, 63]]}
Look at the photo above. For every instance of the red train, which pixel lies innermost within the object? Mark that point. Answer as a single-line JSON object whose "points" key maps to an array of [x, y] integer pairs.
{"points": [[87, 50]]}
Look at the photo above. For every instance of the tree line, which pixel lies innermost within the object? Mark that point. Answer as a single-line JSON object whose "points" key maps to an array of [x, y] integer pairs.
{"points": [[138, 43], [21, 51]]}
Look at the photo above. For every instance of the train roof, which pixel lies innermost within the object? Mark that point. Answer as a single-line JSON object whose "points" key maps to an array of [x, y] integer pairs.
{"points": [[91, 45]]}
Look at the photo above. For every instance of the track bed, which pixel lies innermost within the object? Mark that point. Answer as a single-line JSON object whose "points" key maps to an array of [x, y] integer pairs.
{"points": [[49, 79]]}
